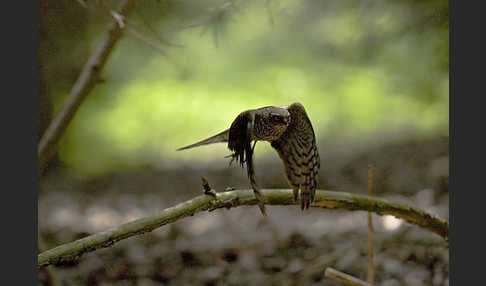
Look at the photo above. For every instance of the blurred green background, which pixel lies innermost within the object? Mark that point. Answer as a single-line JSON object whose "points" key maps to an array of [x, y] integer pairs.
{"points": [[372, 74], [185, 69]]}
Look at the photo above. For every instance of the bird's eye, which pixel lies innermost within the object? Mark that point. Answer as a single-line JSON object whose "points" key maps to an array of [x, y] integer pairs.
{"points": [[276, 118]]}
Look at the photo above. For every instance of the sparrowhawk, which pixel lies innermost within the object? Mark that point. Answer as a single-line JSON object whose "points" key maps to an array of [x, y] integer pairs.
{"points": [[290, 132]]}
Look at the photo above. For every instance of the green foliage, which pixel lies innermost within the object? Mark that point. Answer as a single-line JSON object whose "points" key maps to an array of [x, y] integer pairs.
{"points": [[356, 66]]}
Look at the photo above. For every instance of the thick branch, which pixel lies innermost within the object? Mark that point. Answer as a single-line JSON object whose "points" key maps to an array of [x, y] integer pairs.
{"points": [[84, 84], [323, 199]]}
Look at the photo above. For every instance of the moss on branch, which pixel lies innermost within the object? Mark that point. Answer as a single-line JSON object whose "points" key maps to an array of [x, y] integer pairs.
{"points": [[323, 199]]}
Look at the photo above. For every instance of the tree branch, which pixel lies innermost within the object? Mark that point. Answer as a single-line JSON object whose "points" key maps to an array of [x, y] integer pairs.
{"points": [[323, 199], [86, 81]]}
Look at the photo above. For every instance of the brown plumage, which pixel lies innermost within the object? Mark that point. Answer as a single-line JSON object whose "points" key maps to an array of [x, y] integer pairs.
{"points": [[298, 150], [290, 132]]}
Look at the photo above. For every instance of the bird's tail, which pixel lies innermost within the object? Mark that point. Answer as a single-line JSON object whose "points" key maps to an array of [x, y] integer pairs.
{"points": [[218, 138], [307, 196]]}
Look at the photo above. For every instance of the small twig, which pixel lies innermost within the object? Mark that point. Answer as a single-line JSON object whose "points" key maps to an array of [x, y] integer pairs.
{"points": [[207, 188], [82, 3], [270, 12], [86, 81], [153, 45], [119, 18], [149, 27], [371, 266], [149, 42], [345, 278]]}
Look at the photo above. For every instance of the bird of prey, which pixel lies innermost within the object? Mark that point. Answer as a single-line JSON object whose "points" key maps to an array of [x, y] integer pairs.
{"points": [[290, 133]]}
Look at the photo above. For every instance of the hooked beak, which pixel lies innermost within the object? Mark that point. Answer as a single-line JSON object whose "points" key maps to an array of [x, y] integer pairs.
{"points": [[286, 120]]}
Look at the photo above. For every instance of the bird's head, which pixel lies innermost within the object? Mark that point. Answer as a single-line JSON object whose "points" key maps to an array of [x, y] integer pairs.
{"points": [[279, 117], [271, 122]]}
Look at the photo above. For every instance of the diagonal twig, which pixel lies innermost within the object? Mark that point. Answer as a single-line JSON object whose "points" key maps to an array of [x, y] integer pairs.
{"points": [[345, 278], [86, 81]]}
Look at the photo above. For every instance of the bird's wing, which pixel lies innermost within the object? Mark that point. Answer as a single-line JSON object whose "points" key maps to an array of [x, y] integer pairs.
{"points": [[239, 139], [218, 138], [298, 151]]}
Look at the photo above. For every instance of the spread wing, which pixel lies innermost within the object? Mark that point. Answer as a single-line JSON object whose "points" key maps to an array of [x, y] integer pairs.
{"points": [[298, 150]]}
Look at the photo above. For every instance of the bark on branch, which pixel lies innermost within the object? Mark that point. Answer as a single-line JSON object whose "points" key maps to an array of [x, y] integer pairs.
{"points": [[323, 199], [86, 81]]}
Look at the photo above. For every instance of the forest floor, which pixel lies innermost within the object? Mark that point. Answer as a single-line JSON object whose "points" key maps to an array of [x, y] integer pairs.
{"points": [[239, 246]]}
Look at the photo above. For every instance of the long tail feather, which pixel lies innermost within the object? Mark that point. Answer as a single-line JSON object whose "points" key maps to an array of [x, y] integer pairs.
{"points": [[218, 138]]}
